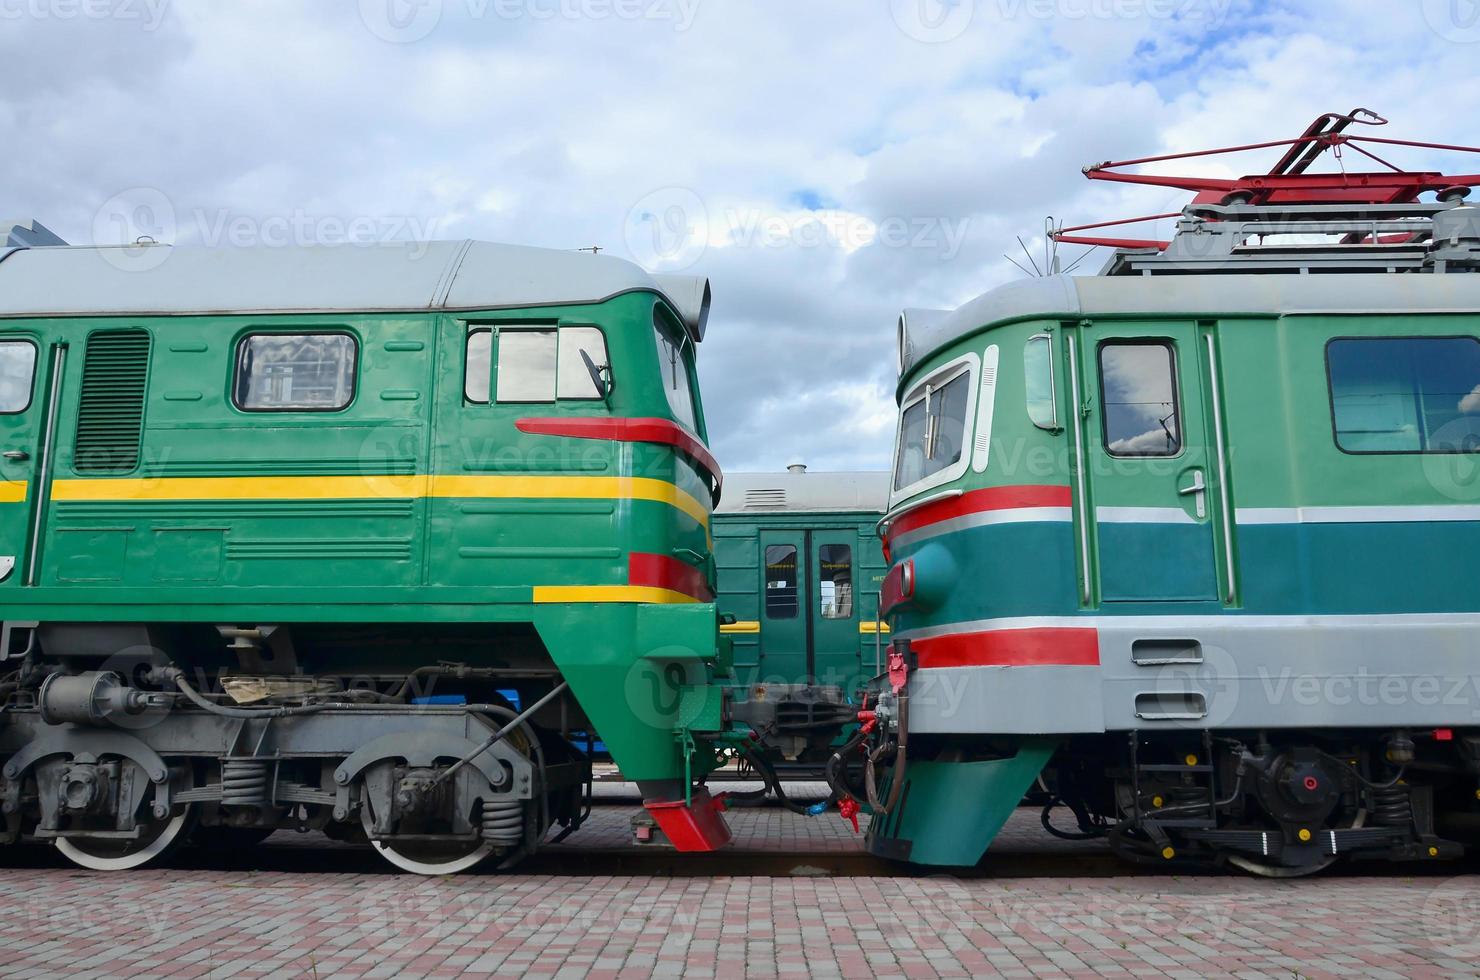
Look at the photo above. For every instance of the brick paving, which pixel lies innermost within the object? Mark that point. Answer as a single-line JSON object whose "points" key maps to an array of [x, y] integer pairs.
{"points": [[363, 920]]}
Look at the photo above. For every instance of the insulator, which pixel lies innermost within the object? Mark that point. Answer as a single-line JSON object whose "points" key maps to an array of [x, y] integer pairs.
{"points": [[245, 782], [1392, 806], [503, 821]]}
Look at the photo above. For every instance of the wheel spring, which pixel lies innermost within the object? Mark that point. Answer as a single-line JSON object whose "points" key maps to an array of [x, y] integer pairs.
{"points": [[503, 821], [244, 782], [1392, 806]]}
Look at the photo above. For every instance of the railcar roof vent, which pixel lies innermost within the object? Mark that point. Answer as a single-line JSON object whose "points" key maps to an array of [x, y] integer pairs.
{"points": [[763, 497], [110, 414]]}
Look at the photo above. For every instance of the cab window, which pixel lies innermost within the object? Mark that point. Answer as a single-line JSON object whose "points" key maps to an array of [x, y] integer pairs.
{"points": [[17, 371], [676, 382], [536, 364], [1405, 394], [932, 432], [1138, 388], [295, 372]]}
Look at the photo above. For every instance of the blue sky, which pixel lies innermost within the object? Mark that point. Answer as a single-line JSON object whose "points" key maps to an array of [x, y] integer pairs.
{"points": [[825, 162]]}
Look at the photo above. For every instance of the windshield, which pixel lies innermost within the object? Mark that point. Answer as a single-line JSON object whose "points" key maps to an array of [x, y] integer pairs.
{"points": [[932, 431], [676, 384]]}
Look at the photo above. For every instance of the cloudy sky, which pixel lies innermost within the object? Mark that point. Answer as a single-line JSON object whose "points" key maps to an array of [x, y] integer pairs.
{"points": [[825, 162]]}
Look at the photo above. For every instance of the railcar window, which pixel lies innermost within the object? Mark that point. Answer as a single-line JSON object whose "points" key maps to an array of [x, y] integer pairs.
{"points": [[836, 581], [576, 380], [536, 365], [781, 581], [526, 365], [1405, 394], [1038, 374], [17, 371], [676, 384], [932, 430], [1138, 389], [305, 372], [477, 382]]}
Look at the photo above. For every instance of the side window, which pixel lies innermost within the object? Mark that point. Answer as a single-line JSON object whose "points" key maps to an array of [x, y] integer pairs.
{"points": [[17, 372], [536, 365], [305, 372], [932, 430], [836, 581], [477, 381], [1138, 385], [1405, 395], [781, 581], [583, 359], [1038, 377], [676, 383], [526, 365]]}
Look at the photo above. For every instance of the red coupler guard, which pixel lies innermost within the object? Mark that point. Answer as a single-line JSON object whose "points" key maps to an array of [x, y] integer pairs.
{"points": [[697, 826]]}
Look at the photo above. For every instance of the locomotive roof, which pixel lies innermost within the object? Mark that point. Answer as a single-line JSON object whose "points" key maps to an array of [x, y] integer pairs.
{"points": [[67, 280], [782, 493], [922, 332]]}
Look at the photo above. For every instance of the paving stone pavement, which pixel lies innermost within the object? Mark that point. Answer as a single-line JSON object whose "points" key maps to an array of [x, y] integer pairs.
{"points": [[369, 922]]}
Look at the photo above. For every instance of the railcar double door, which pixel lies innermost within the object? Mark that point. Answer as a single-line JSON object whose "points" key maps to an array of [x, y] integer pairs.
{"points": [[1153, 461], [809, 606]]}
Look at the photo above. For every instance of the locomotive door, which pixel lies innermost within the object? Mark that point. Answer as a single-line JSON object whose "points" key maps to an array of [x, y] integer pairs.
{"points": [[783, 607], [1150, 463], [22, 414], [834, 612], [809, 606]]}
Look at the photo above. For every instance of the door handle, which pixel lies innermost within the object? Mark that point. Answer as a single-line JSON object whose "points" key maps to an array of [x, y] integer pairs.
{"points": [[16, 454], [1201, 489]]}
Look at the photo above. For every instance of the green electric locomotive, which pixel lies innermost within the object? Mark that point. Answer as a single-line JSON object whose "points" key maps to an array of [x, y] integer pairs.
{"points": [[282, 530], [1191, 544]]}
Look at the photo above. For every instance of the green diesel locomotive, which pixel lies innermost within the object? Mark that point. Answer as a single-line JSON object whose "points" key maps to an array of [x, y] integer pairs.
{"points": [[286, 533]]}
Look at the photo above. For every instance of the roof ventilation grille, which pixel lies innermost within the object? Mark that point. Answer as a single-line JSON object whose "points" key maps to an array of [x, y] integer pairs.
{"points": [[762, 498]]}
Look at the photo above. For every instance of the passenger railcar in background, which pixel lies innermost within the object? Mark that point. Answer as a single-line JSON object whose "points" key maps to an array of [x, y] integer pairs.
{"points": [[1194, 540], [800, 567], [278, 525]]}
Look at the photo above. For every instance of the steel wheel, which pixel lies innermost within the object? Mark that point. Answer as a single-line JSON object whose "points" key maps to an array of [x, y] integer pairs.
{"points": [[107, 854], [429, 857]]}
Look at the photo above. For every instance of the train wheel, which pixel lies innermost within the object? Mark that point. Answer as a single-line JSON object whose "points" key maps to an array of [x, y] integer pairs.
{"points": [[429, 857], [106, 854], [1263, 870]]}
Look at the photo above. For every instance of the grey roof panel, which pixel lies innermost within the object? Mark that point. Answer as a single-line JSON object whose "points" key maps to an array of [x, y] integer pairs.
{"points": [[1267, 295], [395, 277], [797, 493]]}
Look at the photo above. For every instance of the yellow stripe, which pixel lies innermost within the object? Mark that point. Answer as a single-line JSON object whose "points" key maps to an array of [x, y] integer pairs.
{"points": [[608, 593], [744, 626], [871, 628], [12, 491], [381, 486]]}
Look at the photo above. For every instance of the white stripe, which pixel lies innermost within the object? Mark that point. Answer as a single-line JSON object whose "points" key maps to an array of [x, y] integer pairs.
{"points": [[1142, 515], [1358, 515], [1180, 626], [1010, 515]]}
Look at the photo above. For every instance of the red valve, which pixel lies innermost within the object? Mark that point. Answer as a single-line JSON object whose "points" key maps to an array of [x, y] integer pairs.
{"points": [[870, 722], [848, 809]]}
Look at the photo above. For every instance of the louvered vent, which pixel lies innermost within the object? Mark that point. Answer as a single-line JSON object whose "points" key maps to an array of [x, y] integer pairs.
{"points": [[110, 416], [765, 498]]}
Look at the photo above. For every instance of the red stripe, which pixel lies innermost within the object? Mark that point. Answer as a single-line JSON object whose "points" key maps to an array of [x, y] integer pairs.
{"points": [[1045, 647], [978, 501], [659, 431], [663, 572]]}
